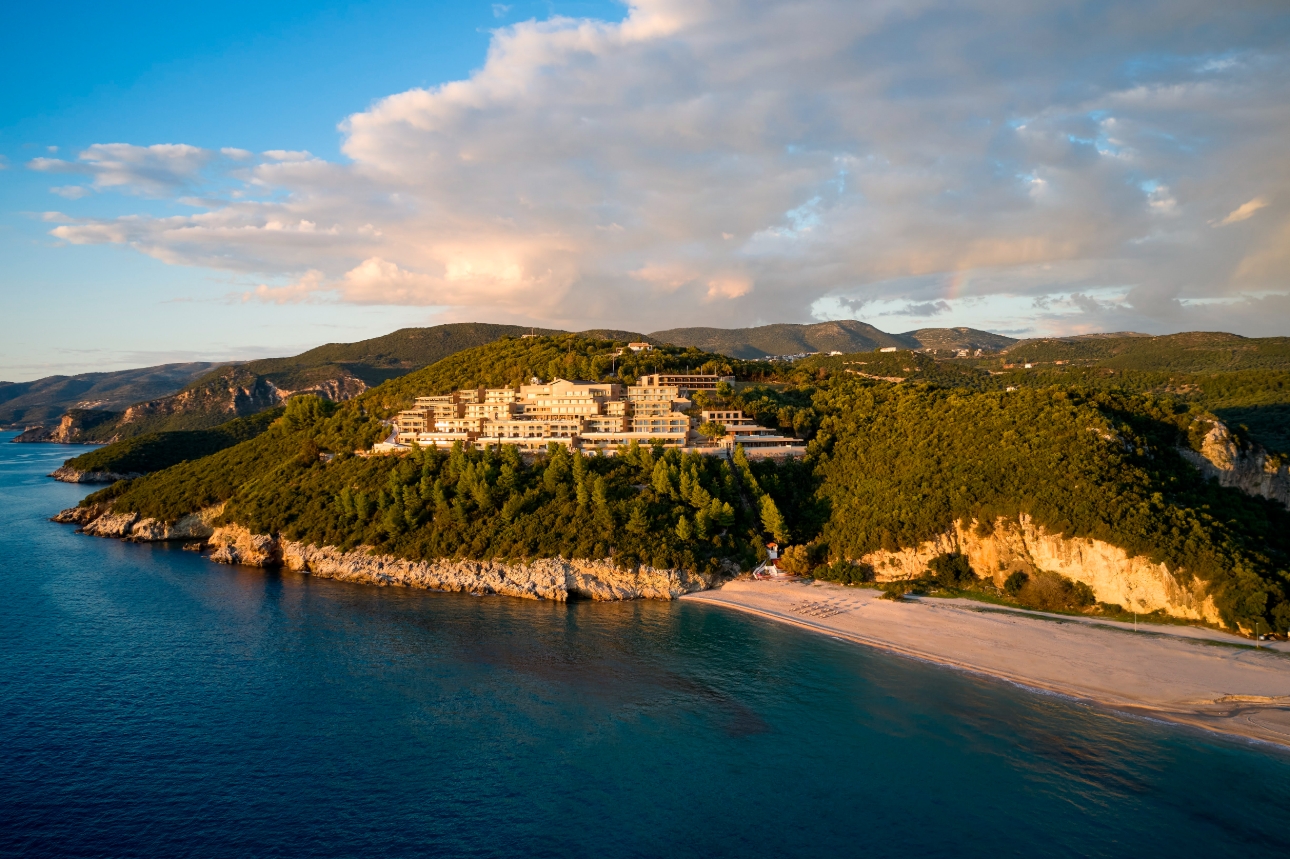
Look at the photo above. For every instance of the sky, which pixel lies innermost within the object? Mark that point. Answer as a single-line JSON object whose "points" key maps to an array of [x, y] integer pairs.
{"points": [[218, 181]]}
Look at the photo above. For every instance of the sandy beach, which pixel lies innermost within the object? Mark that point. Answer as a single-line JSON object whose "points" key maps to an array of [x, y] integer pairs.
{"points": [[1199, 677]]}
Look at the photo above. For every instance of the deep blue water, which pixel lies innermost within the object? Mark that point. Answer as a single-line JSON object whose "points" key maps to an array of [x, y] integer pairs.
{"points": [[155, 704]]}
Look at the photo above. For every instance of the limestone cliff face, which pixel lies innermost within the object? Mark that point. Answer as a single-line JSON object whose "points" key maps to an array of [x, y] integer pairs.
{"points": [[194, 526], [237, 393], [1135, 582], [548, 578], [78, 426], [1251, 469], [98, 520]]}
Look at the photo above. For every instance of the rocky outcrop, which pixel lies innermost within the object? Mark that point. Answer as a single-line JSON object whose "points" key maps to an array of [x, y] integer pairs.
{"points": [[1248, 468], [32, 435], [99, 521], [1135, 582], [547, 578], [193, 527], [78, 426], [234, 544], [67, 474], [81, 515], [112, 525]]}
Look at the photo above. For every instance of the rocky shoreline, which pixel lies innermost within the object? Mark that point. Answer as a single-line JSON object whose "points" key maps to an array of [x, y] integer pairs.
{"points": [[546, 578], [67, 474]]}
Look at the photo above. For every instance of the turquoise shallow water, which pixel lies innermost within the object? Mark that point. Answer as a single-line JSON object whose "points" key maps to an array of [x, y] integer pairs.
{"points": [[155, 704]]}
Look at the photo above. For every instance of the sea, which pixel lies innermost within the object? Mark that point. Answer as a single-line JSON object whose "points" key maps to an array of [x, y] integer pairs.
{"points": [[155, 704]]}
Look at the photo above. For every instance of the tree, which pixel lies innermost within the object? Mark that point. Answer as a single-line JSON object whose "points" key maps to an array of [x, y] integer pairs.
{"points": [[772, 521], [711, 430], [638, 524], [683, 529]]}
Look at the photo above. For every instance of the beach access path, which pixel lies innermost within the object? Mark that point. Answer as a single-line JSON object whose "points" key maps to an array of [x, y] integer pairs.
{"points": [[1200, 677]]}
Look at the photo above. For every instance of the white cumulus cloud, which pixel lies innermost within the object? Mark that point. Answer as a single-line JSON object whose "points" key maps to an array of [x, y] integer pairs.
{"points": [[738, 161]]}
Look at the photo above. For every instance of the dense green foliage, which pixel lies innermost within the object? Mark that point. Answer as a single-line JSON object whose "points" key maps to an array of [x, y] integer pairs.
{"points": [[1193, 352], [514, 361], [899, 464], [843, 335], [155, 451]]}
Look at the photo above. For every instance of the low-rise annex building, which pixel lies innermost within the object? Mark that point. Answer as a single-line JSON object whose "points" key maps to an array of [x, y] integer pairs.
{"points": [[582, 415]]}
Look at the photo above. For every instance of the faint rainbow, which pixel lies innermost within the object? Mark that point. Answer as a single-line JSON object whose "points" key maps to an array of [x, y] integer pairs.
{"points": [[958, 281]]}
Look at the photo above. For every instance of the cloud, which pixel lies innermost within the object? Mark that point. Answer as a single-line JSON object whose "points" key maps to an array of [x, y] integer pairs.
{"points": [[500, 10], [927, 308], [744, 160], [1243, 212], [158, 170], [71, 192]]}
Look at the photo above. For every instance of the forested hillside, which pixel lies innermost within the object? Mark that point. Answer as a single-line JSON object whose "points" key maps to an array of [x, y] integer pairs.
{"points": [[44, 400], [154, 451], [890, 464], [336, 371], [844, 335]]}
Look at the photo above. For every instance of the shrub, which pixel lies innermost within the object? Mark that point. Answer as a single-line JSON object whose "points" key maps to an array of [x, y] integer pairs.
{"points": [[845, 573], [1014, 583], [951, 570]]}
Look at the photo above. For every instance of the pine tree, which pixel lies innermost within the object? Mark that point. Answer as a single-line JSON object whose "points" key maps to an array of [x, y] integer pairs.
{"points": [[683, 529], [772, 521]]}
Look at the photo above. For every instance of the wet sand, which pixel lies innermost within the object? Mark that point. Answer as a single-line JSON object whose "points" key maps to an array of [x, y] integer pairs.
{"points": [[1199, 677]]}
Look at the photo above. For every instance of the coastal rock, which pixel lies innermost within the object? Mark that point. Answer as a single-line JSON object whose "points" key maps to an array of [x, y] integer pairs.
{"points": [[194, 526], [112, 525], [234, 544], [1135, 582], [1250, 469], [32, 435], [67, 474], [81, 515], [547, 578]]}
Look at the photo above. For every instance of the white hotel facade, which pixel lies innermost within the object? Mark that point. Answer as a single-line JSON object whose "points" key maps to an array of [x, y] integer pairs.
{"points": [[587, 416]]}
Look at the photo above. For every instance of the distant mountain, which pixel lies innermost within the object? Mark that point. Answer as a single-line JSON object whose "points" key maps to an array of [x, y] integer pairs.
{"points": [[845, 335], [785, 339], [44, 400], [337, 371], [1189, 352], [950, 339]]}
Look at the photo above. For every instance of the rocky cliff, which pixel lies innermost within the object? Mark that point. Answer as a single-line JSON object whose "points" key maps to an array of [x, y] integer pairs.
{"points": [[547, 578], [78, 426], [1248, 468], [1135, 582], [67, 474]]}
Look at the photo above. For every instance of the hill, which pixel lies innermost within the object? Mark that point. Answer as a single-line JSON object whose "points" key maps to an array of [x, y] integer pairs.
{"points": [[1191, 352], [44, 400], [845, 335], [335, 371], [890, 467], [783, 339], [155, 451]]}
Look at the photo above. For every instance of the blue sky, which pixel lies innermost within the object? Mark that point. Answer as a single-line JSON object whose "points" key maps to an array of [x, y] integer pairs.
{"points": [[238, 180]]}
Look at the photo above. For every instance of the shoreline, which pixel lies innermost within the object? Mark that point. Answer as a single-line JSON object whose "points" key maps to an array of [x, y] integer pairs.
{"points": [[1182, 675]]}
